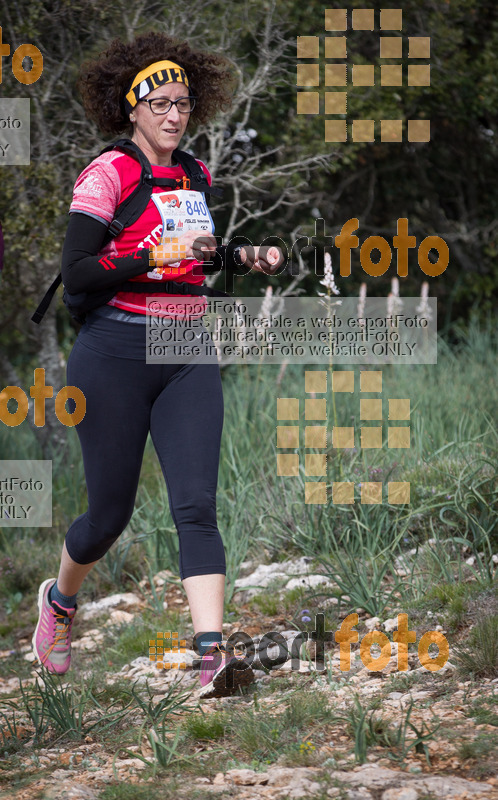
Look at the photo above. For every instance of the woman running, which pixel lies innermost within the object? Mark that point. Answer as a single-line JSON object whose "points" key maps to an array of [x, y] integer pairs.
{"points": [[149, 88]]}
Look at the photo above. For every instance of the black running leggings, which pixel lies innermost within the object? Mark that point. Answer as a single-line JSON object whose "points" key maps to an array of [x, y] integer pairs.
{"points": [[182, 407]]}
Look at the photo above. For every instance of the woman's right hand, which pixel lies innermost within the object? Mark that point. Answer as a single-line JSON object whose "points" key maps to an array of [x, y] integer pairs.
{"points": [[198, 245]]}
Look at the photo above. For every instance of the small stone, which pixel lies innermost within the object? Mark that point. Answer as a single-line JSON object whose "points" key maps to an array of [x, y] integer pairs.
{"points": [[134, 763], [89, 641], [127, 599], [119, 617], [265, 574], [308, 582], [29, 657], [247, 777], [404, 793]]}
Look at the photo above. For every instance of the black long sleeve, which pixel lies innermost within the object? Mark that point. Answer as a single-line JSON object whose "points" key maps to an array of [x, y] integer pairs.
{"points": [[83, 270]]}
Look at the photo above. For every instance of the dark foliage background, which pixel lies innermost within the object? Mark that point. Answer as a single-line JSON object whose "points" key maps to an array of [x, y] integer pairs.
{"points": [[278, 173]]}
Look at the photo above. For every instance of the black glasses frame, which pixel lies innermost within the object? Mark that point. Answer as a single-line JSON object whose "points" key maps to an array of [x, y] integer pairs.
{"points": [[171, 104]]}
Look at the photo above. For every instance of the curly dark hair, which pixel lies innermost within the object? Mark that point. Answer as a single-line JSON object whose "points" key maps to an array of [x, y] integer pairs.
{"points": [[104, 80]]}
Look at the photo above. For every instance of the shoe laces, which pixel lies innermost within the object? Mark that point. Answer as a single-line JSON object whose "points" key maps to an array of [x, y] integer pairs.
{"points": [[63, 624], [237, 652]]}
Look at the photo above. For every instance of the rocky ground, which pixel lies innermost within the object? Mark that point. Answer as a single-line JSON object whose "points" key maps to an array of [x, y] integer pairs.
{"points": [[458, 760]]}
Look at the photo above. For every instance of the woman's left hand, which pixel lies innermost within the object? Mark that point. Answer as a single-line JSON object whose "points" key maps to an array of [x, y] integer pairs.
{"points": [[263, 259]]}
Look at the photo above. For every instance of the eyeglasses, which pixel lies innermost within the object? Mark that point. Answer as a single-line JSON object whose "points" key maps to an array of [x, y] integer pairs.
{"points": [[161, 105]]}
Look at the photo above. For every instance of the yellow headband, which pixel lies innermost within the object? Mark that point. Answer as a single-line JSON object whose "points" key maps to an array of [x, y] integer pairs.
{"points": [[150, 78]]}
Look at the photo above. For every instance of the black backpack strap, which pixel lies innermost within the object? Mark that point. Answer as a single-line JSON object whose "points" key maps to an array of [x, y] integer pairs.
{"points": [[197, 178], [195, 174], [126, 213], [47, 299], [135, 204]]}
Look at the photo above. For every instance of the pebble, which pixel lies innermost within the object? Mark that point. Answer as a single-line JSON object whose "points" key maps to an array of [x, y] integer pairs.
{"points": [[93, 609]]}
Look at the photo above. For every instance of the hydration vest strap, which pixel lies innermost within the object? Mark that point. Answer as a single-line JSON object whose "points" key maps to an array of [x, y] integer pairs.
{"points": [[47, 299], [133, 207]]}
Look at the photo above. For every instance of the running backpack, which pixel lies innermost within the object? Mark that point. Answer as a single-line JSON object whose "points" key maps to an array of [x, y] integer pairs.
{"points": [[125, 215]]}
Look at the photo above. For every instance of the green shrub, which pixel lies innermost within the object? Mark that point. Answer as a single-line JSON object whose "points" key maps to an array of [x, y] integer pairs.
{"points": [[478, 657]]}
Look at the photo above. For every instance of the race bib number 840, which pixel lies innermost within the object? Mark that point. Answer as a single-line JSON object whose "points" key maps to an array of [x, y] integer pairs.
{"points": [[181, 211]]}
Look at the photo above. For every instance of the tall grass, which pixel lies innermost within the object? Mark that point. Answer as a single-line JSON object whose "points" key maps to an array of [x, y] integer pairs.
{"points": [[262, 515]]}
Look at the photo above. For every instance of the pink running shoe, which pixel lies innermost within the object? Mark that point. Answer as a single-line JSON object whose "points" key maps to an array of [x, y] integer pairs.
{"points": [[52, 637], [221, 674]]}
